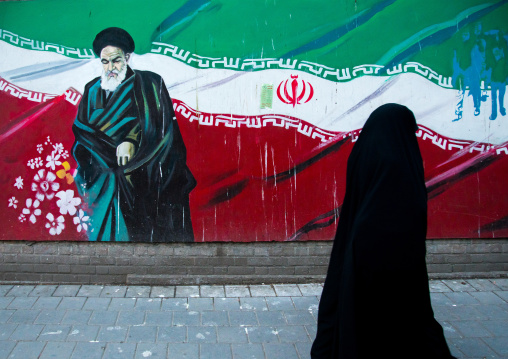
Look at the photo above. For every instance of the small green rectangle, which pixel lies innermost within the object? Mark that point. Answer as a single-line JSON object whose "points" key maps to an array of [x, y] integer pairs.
{"points": [[266, 96]]}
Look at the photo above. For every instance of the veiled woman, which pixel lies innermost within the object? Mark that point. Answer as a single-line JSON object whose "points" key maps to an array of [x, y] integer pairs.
{"points": [[375, 301]]}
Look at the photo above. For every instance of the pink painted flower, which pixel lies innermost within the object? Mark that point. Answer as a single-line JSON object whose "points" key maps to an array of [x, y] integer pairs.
{"points": [[55, 225], [44, 186], [67, 202], [32, 210]]}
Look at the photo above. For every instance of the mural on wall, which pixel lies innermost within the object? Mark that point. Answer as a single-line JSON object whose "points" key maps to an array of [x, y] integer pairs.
{"points": [[214, 121]]}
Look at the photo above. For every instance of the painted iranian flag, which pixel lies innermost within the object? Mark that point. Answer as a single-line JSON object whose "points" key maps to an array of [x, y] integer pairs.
{"points": [[270, 100]]}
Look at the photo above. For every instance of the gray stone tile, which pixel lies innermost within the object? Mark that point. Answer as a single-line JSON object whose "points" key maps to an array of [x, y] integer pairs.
{"points": [[497, 327], [493, 312], [4, 289], [247, 351], [54, 333], [280, 350], [280, 303], [83, 333], [499, 344], [22, 303], [472, 347], [303, 349], [299, 317], [466, 312], [187, 291], [243, 318], [502, 294], [76, 317], [50, 317], [5, 301], [311, 331], [271, 318], [152, 304], [212, 291], [462, 298], [26, 332], [47, 303], [254, 303], [6, 330], [199, 304], [116, 333], [113, 291], [231, 335], [292, 334], [309, 303], [72, 303], [20, 291], [6, 348], [138, 292], [142, 334], [122, 303], [131, 317], [159, 318], [227, 304], [57, 350], [501, 283], [201, 334], [97, 304], [151, 351], [103, 317], [215, 351], [90, 291], [311, 289], [437, 286], [163, 292], [262, 334], [43, 291], [237, 291], [449, 330], [287, 290], [262, 291], [27, 350], [171, 334], [88, 350], [175, 304], [471, 329], [458, 285], [120, 351], [5, 314], [487, 298], [482, 285], [186, 318], [67, 290], [440, 299], [183, 351], [24, 316], [214, 318]]}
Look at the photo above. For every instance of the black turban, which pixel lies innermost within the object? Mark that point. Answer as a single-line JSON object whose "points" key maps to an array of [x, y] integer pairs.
{"points": [[113, 36]]}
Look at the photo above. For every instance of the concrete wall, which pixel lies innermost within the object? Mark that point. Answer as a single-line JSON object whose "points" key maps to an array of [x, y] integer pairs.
{"points": [[219, 263]]}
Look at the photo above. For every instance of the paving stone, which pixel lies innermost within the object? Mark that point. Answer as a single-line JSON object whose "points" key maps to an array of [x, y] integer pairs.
{"points": [[24, 316], [76, 317], [449, 330], [57, 350], [501, 283], [113, 291], [311, 331], [116, 333], [482, 285], [247, 351], [212, 291], [6, 330], [5, 314], [299, 317], [152, 304], [472, 347], [172, 334], [68, 290], [262, 291], [303, 349], [201, 334], [467, 312], [440, 299], [309, 304], [90, 291], [497, 327], [54, 332], [488, 298], [280, 350], [227, 304], [186, 318], [262, 334], [138, 292], [6, 348], [159, 318], [502, 294], [287, 290], [119, 351], [50, 317], [26, 332], [22, 303], [199, 304], [26, 350], [175, 304], [72, 303], [83, 333], [5, 301], [459, 285], [462, 298], [237, 291], [20, 291], [131, 318], [151, 351], [4, 289], [103, 317], [493, 312], [437, 286], [231, 335], [215, 351], [43, 291], [97, 303], [254, 303], [292, 334], [163, 292], [142, 334], [183, 351], [88, 350], [47, 303], [271, 318], [242, 318], [187, 291], [122, 304], [500, 345], [280, 303], [214, 318], [471, 329], [311, 289]]}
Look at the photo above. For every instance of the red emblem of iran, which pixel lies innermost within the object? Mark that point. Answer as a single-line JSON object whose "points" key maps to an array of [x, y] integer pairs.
{"points": [[295, 92]]}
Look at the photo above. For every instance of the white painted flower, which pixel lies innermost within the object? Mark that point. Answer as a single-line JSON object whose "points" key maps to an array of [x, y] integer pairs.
{"points": [[67, 202], [64, 154], [32, 210], [53, 160], [44, 185], [35, 163], [19, 183], [22, 217], [58, 147], [13, 202], [48, 141], [55, 225], [81, 220], [40, 148]]}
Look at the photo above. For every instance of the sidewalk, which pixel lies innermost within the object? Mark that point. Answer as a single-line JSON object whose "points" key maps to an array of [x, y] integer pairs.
{"points": [[220, 322]]}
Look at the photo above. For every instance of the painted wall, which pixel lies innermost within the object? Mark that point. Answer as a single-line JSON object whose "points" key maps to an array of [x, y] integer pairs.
{"points": [[269, 98]]}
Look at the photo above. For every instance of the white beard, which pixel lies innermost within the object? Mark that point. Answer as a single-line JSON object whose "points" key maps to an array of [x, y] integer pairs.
{"points": [[111, 83]]}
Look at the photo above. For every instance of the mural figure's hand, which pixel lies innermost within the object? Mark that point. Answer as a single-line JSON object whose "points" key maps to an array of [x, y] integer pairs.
{"points": [[124, 153]]}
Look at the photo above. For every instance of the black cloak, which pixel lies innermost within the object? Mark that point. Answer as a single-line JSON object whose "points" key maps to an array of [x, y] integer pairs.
{"points": [[375, 301]]}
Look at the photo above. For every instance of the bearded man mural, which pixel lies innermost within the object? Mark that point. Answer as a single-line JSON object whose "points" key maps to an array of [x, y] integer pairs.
{"points": [[132, 171]]}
